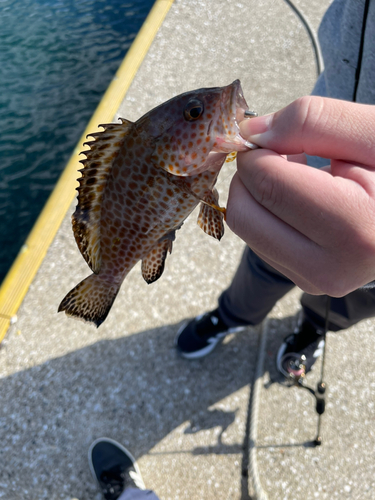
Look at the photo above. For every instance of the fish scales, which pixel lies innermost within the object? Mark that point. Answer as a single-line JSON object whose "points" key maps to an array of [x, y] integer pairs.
{"points": [[141, 180]]}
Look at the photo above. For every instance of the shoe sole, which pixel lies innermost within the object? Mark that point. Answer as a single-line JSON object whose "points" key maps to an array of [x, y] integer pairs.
{"points": [[279, 356], [202, 352], [208, 349], [122, 448]]}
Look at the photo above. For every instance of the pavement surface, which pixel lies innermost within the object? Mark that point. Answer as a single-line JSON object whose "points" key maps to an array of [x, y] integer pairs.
{"points": [[64, 383]]}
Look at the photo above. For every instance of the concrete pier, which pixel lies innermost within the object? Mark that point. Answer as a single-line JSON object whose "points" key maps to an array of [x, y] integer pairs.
{"points": [[63, 383]]}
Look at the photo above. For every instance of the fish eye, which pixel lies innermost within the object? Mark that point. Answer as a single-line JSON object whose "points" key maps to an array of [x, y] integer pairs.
{"points": [[193, 110]]}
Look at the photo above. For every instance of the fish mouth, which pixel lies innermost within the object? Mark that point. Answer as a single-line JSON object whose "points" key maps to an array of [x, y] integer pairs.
{"points": [[233, 106], [237, 101]]}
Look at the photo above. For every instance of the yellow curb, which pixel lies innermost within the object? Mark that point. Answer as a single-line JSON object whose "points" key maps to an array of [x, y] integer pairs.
{"points": [[32, 253]]}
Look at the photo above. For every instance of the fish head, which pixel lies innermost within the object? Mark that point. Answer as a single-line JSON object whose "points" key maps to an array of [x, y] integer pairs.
{"points": [[191, 128]]}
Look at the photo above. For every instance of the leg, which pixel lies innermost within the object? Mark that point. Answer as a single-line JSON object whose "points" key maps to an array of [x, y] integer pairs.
{"points": [[255, 289], [345, 311], [135, 494]]}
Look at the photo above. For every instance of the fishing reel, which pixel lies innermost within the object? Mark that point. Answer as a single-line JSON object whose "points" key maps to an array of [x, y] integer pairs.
{"points": [[296, 376]]}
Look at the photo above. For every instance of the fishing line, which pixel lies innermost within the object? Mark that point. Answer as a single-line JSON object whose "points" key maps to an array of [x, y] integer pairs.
{"points": [[313, 38]]}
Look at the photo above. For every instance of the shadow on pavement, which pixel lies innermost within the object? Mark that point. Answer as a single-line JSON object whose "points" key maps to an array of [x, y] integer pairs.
{"points": [[134, 389]]}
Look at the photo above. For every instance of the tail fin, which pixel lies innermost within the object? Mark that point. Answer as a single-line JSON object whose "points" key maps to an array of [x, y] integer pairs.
{"points": [[91, 300]]}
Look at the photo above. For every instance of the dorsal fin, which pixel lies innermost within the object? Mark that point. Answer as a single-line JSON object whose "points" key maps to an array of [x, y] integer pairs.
{"points": [[96, 168]]}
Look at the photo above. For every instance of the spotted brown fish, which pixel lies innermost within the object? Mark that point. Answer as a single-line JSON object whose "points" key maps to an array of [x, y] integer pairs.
{"points": [[139, 183]]}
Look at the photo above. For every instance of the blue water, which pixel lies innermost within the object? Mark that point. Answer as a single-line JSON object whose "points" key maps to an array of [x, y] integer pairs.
{"points": [[56, 61]]}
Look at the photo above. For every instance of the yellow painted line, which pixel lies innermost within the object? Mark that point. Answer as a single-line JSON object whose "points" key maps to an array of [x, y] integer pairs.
{"points": [[31, 255]]}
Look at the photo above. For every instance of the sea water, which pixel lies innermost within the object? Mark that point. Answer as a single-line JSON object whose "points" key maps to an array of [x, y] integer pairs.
{"points": [[56, 60]]}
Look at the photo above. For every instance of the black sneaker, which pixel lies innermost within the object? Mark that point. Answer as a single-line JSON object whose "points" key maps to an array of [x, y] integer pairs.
{"points": [[114, 468], [300, 350], [201, 335]]}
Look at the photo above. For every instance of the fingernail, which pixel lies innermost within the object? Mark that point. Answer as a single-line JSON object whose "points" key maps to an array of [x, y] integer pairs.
{"points": [[254, 129], [251, 145]]}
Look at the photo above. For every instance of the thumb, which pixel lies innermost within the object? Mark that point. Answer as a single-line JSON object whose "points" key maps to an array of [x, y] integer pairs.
{"points": [[317, 126]]}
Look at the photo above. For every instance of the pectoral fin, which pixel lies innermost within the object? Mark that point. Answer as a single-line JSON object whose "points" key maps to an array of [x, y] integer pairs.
{"points": [[153, 263], [211, 216]]}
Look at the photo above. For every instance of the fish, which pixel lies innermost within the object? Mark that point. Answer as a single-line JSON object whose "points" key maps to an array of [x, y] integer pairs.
{"points": [[140, 181]]}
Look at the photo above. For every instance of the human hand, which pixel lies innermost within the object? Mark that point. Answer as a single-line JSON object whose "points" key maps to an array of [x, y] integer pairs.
{"points": [[317, 227]]}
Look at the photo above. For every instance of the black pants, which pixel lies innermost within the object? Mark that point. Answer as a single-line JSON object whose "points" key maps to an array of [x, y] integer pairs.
{"points": [[256, 287]]}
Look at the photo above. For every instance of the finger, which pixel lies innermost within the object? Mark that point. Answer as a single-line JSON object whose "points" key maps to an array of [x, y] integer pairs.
{"points": [[317, 126], [299, 195], [327, 266], [298, 280], [310, 200], [298, 158], [275, 241]]}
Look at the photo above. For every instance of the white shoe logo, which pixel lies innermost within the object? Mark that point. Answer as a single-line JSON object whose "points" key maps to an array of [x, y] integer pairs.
{"points": [[214, 320], [138, 480], [215, 339]]}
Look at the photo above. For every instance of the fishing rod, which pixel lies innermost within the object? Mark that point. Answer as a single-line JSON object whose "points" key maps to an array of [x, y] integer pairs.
{"points": [[297, 375]]}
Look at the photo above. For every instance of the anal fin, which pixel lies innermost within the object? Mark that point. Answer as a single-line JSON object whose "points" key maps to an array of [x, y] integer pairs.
{"points": [[153, 263], [210, 219]]}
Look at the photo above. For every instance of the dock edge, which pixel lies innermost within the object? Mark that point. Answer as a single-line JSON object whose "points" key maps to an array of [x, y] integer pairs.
{"points": [[30, 257]]}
